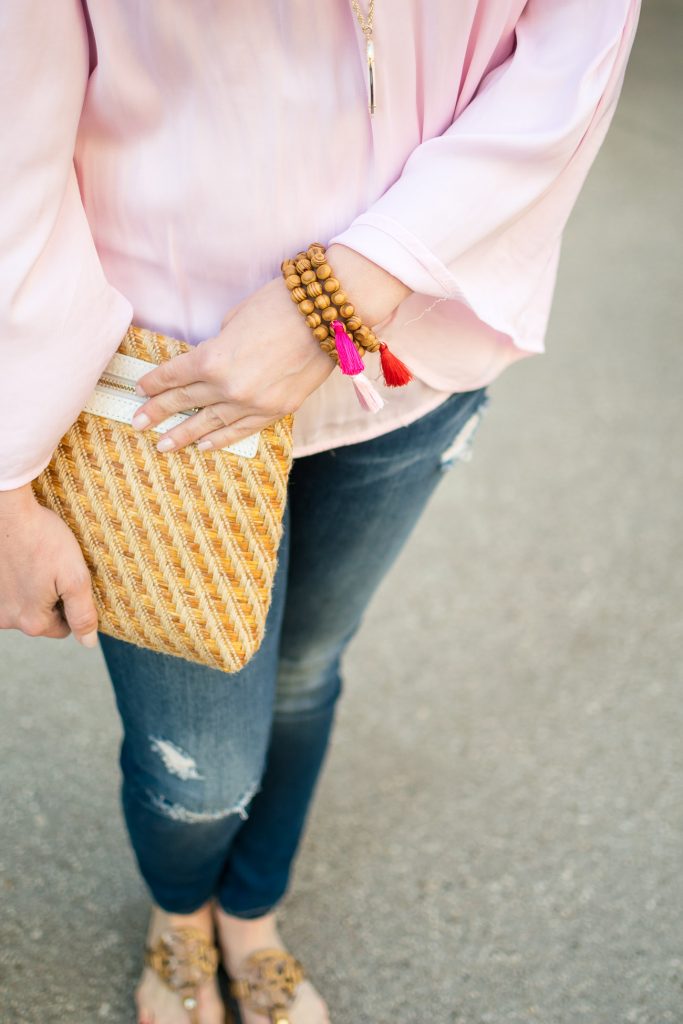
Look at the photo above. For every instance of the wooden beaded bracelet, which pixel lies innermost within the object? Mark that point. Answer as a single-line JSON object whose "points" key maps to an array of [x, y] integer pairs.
{"points": [[336, 325]]}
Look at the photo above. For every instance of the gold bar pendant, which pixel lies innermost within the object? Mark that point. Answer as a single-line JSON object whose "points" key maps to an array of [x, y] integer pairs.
{"points": [[370, 54]]}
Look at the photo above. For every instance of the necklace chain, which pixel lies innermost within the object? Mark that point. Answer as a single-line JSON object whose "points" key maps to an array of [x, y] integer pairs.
{"points": [[366, 29], [365, 24]]}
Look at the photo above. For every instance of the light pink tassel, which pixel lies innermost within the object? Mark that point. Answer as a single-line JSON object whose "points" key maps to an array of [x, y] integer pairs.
{"points": [[368, 397], [350, 361]]}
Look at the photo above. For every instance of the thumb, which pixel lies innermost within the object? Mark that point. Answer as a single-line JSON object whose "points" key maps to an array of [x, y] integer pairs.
{"points": [[79, 608]]}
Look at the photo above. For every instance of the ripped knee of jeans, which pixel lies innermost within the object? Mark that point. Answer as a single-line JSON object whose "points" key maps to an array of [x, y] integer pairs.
{"points": [[190, 796], [461, 447], [176, 760], [179, 811]]}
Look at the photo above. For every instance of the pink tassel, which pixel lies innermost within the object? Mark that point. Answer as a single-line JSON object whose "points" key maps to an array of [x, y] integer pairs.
{"points": [[368, 397], [350, 361]]}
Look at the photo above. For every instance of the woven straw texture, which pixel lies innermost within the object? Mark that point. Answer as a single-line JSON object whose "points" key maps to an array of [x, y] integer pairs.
{"points": [[182, 546]]}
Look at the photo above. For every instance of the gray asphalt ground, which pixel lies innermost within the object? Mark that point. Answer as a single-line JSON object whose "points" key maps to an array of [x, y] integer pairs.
{"points": [[498, 833]]}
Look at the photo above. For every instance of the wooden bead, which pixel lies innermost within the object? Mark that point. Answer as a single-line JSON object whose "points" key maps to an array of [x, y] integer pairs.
{"points": [[298, 294], [330, 314], [302, 265], [331, 285], [322, 301], [362, 333], [323, 271], [292, 281], [313, 289], [308, 276], [287, 267], [307, 306], [346, 309], [314, 319], [318, 257], [339, 298], [352, 322], [327, 345], [369, 341], [320, 333]]}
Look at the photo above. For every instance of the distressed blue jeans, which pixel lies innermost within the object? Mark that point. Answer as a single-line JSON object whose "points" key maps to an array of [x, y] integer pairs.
{"points": [[218, 769]]}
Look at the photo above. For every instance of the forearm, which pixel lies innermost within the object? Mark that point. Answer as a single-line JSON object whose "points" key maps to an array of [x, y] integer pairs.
{"points": [[373, 291]]}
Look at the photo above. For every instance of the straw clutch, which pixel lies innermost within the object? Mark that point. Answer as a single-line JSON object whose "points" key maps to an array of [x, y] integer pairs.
{"points": [[182, 546]]}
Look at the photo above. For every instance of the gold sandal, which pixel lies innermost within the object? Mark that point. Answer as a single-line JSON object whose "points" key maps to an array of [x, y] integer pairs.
{"points": [[184, 959], [267, 983]]}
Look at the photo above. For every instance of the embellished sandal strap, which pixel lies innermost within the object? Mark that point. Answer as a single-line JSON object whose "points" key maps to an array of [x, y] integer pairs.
{"points": [[267, 983], [184, 959]]}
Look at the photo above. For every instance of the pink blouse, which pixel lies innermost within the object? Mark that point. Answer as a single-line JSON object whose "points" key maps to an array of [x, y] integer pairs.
{"points": [[159, 160]]}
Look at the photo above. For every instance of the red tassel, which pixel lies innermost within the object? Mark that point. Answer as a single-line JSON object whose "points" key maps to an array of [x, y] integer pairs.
{"points": [[350, 361], [395, 372]]}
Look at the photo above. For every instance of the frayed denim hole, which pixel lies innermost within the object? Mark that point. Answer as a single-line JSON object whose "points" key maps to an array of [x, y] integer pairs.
{"points": [[176, 760], [461, 447], [169, 808]]}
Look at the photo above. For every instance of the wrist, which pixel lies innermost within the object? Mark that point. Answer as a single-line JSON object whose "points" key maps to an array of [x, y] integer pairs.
{"points": [[17, 500], [373, 291], [342, 320]]}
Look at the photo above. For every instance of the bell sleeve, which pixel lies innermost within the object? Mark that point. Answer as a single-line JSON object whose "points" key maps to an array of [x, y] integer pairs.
{"points": [[60, 321], [477, 213]]}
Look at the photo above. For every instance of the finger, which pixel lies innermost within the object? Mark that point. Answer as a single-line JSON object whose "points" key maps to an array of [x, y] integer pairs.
{"points": [[174, 373], [58, 629], [79, 609], [238, 430], [206, 421], [167, 403], [42, 624]]}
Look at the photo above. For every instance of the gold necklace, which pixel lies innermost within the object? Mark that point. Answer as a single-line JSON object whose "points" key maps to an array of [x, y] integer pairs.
{"points": [[366, 29]]}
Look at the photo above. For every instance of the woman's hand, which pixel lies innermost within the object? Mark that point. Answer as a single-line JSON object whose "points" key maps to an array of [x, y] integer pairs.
{"points": [[263, 363], [261, 366], [45, 587]]}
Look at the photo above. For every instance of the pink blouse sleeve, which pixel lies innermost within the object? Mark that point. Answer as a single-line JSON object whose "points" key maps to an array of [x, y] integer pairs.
{"points": [[477, 213], [60, 320]]}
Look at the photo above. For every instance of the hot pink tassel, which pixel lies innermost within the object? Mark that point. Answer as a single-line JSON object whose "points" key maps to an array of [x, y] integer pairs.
{"points": [[368, 397], [350, 361]]}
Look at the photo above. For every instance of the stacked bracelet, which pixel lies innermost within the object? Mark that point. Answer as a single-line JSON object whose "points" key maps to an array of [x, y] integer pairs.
{"points": [[336, 325]]}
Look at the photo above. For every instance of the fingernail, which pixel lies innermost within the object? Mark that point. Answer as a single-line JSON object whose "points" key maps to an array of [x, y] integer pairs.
{"points": [[90, 639], [166, 444], [139, 390], [203, 445], [140, 420]]}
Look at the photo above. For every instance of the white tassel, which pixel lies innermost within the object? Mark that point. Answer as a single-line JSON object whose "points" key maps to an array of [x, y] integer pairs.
{"points": [[366, 393]]}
